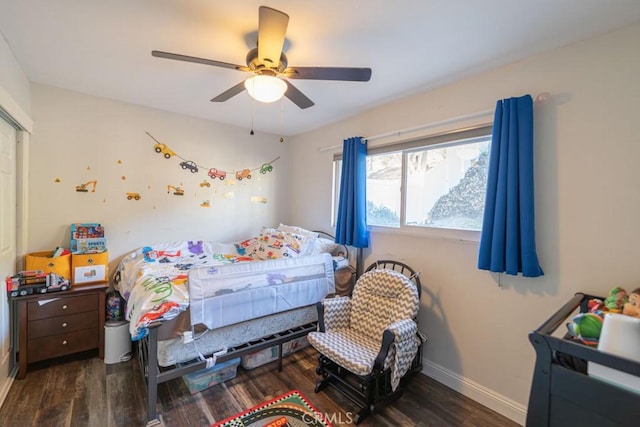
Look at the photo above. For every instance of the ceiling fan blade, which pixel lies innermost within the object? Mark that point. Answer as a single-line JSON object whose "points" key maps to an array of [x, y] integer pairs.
{"points": [[186, 58], [229, 93], [329, 73], [297, 97], [272, 29]]}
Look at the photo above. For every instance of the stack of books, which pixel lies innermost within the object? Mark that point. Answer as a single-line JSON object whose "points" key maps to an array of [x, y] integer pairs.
{"points": [[87, 238]]}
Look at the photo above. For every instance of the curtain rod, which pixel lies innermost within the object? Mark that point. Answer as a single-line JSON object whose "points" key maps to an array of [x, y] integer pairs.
{"points": [[541, 98]]}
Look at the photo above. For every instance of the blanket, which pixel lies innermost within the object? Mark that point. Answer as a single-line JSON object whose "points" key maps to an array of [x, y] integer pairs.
{"points": [[153, 278]]}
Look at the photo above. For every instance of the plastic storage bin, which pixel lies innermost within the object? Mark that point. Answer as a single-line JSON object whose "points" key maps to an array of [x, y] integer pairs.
{"points": [[262, 357], [205, 378], [117, 342]]}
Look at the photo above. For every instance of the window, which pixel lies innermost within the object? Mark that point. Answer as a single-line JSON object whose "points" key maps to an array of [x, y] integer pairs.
{"points": [[437, 182]]}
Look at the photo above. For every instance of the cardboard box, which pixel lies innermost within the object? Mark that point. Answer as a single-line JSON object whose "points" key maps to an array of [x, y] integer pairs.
{"points": [[205, 378], [61, 265], [89, 268]]}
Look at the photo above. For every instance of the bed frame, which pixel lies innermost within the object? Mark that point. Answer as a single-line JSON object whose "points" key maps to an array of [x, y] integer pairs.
{"points": [[561, 396], [153, 374]]}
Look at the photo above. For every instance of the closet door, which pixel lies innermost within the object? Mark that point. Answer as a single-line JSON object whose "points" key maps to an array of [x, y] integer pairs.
{"points": [[7, 243]]}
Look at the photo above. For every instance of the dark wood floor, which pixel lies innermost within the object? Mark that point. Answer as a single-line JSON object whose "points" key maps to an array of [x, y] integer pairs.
{"points": [[83, 391]]}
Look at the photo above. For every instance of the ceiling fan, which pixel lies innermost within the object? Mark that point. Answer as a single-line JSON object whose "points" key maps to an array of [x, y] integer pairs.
{"points": [[270, 66]]}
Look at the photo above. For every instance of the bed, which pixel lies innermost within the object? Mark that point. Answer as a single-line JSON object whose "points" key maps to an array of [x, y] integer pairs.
{"points": [[562, 393], [193, 304]]}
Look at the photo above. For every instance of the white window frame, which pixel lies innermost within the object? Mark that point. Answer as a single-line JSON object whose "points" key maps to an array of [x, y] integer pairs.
{"points": [[406, 146]]}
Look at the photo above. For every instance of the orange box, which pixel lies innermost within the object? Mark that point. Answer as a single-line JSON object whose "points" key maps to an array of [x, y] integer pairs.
{"points": [[60, 265], [89, 268]]}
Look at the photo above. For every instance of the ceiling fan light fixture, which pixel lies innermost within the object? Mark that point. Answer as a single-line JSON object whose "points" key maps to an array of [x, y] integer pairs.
{"points": [[265, 88]]}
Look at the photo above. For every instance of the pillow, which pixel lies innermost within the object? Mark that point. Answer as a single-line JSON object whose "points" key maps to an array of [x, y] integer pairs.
{"points": [[246, 247], [273, 243], [322, 245], [297, 230]]}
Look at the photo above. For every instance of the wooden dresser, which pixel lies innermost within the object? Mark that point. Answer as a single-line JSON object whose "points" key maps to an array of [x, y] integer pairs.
{"points": [[60, 323]]}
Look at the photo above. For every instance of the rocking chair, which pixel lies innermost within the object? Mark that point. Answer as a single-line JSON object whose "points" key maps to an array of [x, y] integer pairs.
{"points": [[369, 343]]}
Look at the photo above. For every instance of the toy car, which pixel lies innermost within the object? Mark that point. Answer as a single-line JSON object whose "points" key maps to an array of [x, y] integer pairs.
{"points": [[215, 173], [245, 173], [266, 168], [166, 151], [189, 165], [35, 281]]}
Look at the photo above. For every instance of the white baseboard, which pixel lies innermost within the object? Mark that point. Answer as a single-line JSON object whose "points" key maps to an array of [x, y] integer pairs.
{"points": [[489, 398], [6, 384]]}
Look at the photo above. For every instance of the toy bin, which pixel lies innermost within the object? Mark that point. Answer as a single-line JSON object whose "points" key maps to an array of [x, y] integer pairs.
{"points": [[208, 377], [89, 268], [60, 265], [267, 355]]}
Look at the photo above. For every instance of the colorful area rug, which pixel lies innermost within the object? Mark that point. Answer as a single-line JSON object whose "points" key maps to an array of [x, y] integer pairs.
{"points": [[291, 409]]}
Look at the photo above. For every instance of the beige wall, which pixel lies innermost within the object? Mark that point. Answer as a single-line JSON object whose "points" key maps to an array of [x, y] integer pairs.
{"points": [[79, 138], [587, 146], [12, 80]]}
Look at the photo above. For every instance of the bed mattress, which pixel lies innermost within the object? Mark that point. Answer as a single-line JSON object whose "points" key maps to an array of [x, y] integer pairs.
{"points": [[173, 351]]}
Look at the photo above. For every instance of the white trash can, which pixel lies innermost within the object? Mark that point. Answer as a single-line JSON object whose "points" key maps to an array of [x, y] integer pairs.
{"points": [[117, 341]]}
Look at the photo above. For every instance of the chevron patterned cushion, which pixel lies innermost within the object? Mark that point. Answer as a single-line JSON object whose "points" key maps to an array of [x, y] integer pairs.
{"points": [[382, 297], [349, 349]]}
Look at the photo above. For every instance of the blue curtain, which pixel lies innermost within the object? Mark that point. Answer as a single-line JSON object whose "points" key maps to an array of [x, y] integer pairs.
{"points": [[351, 227], [507, 242]]}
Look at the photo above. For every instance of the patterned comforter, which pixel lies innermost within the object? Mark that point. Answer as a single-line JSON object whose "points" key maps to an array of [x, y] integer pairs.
{"points": [[153, 279]]}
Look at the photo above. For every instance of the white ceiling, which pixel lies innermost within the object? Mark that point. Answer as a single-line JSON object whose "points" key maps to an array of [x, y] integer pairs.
{"points": [[104, 48]]}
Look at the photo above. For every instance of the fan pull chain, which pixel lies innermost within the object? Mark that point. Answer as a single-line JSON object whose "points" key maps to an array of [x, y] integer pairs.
{"points": [[281, 119], [252, 114]]}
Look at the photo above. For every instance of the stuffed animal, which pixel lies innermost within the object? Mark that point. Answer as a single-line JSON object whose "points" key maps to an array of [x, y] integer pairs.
{"points": [[616, 300], [594, 304], [586, 327], [632, 308]]}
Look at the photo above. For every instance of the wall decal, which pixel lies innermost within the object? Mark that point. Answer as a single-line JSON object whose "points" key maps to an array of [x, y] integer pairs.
{"points": [[123, 177], [134, 196], [177, 191], [57, 180], [258, 199], [205, 204], [83, 188], [205, 183]]}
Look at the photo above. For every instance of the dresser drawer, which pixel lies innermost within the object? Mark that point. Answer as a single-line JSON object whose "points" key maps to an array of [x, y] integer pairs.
{"points": [[62, 306], [61, 324], [59, 345]]}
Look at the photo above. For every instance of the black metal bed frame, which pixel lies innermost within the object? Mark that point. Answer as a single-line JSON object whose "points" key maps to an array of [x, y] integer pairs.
{"points": [[561, 396], [154, 375]]}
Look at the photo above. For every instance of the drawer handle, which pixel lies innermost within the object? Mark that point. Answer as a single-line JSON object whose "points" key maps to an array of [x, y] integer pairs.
{"points": [[64, 324], [64, 342], [64, 307]]}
